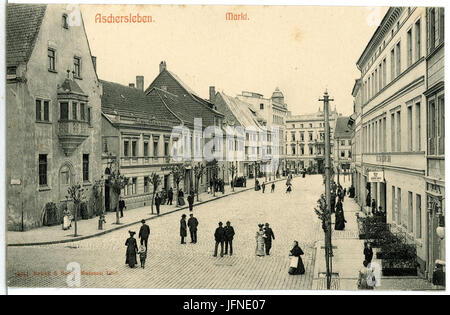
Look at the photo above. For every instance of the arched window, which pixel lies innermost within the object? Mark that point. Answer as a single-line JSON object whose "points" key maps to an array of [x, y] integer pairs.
{"points": [[65, 24]]}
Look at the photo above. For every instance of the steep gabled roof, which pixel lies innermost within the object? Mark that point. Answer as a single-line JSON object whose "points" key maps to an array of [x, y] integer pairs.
{"points": [[23, 22], [241, 111], [132, 101], [189, 92], [342, 131]]}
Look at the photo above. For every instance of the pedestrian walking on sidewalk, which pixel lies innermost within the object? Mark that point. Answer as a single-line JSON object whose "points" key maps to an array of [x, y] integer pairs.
{"points": [[132, 250], [366, 278], [268, 236], [374, 207], [183, 228], [296, 266], [219, 237], [339, 217], [260, 241], [144, 233], [263, 187], [190, 200], [229, 235], [368, 252], [272, 189], [142, 255], [157, 202], [170, 196], [192, 224], [289, 188], [121, 207]]}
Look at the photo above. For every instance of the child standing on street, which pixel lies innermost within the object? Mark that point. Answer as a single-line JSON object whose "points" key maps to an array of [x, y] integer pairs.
{"points": [[142, 255]]}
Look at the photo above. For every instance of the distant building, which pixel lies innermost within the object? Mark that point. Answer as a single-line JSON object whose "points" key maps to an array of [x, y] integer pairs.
{"points": [[305, 141], [53, 113], [274, 111], [342, 138]]}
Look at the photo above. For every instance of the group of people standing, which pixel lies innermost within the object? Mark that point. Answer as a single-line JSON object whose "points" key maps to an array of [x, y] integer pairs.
{"points": [[192, 224], [132, 248], [338, 207]]}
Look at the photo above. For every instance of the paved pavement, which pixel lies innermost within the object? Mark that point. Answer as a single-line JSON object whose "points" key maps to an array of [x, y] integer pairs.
{"points": [[348, 258], [172, 265]]}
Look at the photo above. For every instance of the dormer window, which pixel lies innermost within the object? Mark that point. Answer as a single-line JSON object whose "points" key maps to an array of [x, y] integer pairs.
{"points": [[65, 24], [77, 67]]}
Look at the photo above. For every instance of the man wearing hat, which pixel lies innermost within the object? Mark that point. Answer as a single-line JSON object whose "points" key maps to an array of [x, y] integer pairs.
{"points": [[268, 236], [219, 236], [192, 224], [144, 233], [183, 228]]}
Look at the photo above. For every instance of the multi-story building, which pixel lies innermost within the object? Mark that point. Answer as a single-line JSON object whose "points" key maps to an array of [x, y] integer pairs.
{"points": [[342, 157], [188, 104], [435, 144], [393, 120], [137, 133], [274, 111], [53, 112], [305, 141], [357, 145], [255, 143]]}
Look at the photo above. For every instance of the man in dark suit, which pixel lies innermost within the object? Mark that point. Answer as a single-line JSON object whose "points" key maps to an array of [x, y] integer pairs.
{"points": [[268, 233], [170, 196], [229, 235], [157, 203], [192, 224], [122, 206], [144, 233], [219, 236], [183, 228], [190, 200]]}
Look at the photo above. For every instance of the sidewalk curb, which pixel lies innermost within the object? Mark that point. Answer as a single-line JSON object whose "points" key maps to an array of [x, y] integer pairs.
{"points": [[121, 226]]}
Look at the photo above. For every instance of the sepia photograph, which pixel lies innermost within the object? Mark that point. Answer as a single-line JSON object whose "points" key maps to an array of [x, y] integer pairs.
{"points": [[260, 147]]}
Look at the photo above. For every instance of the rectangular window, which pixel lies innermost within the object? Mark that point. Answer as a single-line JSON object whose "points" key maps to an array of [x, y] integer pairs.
{"points": [[418, 47], [83, 111], [410, 129], [46, 111], [77, 67], [384, 72], [393, 133], [418, 127], [432, 35], [166, 147], [126, 149], [38, 110], [74, 111], [105, 145], [394, 204], [399, 206], [342, 153], [398, 66], [89, 116], [42, 169], [399, 132], [134, 186], [432, 128], [145, 148], [64, 111], [384, 135], [392, 64], [146, 184], [155, 148], [418, 216], [380, 77], [51, 59], [134, 148], [409, 47], [85, 167], [410, 212], [441, 126]]}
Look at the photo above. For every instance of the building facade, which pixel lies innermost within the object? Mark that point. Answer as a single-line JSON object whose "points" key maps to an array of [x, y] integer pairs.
{"points": [[53, 112], [342, 156], [392, 123], [435, 144], [305, 141]]}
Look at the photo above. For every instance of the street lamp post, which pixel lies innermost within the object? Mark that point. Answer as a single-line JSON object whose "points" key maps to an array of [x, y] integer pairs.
{"points": [[328, 245]]}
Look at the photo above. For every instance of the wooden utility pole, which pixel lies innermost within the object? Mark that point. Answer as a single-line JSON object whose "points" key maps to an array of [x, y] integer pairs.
{"points": [[328, 245]]}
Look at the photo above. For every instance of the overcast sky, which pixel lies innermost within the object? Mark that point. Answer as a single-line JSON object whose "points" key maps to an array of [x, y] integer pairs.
{"points": [[302, 50]]}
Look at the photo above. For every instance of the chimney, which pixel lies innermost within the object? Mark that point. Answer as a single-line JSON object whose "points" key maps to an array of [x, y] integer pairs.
{"points": [[140, 82], [131, 85], [94, 62], [162, 66], [212, 94]]}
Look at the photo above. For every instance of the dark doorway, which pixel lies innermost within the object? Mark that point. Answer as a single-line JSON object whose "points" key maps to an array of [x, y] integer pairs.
{"points": [[107, 196]]}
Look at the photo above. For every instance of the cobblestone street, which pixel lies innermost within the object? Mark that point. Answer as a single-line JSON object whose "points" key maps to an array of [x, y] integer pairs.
{"points": [[172, 265]]}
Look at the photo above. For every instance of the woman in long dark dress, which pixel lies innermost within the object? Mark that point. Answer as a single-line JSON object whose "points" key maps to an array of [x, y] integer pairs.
{"points": [[340, 219], [132, 250], [299, 268], [368, 252]]}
